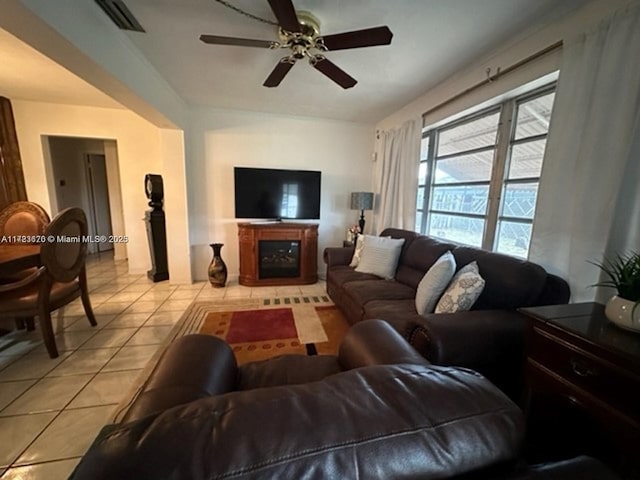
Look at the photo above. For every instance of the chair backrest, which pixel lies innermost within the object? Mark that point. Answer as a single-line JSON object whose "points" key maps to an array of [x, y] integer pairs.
{"points": [[65, 251], [23, 219]]}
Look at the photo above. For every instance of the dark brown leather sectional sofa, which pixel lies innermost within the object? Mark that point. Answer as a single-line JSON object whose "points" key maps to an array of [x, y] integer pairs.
{"points": [[378, 410], [489, 338]]}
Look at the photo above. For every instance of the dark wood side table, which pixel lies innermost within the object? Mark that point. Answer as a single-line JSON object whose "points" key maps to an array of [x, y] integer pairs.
{"points": [[583, 386]]}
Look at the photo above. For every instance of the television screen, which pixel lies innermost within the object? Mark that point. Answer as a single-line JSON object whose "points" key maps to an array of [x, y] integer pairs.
{"points": [[276, 194]]}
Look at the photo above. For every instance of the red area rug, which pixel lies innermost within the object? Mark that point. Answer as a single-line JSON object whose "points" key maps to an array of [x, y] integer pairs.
{"points": [[255, 334], [261, 325], [260, 328]]}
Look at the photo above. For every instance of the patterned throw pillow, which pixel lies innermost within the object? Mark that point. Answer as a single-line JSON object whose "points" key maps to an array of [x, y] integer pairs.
{"points": [[357, 253], [464, 290], [380, 256], [434, 282]]}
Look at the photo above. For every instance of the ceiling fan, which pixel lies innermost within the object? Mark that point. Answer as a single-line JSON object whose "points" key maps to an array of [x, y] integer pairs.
{"points": [[300, 32]]}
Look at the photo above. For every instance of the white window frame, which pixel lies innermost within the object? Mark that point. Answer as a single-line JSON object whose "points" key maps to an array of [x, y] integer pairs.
{"points": [[505, 140]]}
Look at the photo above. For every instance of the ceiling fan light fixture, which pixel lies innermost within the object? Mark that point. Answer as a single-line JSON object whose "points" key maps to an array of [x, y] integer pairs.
{"points": [[305, 39], [309, 24], [299, 31]]}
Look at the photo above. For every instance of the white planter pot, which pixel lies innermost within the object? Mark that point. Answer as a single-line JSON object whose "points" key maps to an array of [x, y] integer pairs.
{"points": [[619, 311]]}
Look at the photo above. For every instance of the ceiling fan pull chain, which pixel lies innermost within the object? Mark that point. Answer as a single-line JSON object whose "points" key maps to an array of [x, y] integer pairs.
{"points": [[246, 14]]}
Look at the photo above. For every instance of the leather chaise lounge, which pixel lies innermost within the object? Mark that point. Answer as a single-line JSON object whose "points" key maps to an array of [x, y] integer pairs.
{"points": [[377, 410], [489, 338]]}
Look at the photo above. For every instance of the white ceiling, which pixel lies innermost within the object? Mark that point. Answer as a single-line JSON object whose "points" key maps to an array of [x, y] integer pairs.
{"points": [[432, 40]]}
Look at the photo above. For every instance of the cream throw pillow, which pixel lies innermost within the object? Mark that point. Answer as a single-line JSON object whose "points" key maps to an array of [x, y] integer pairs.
{"points": [[380, 256], [434, 282], [357, 252], [464, 290]]}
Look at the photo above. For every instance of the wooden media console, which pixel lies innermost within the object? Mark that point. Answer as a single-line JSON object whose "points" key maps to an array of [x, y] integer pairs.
{"points": [[278, 253]]}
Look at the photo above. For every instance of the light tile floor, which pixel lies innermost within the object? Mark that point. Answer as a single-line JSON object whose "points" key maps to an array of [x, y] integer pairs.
{"points": [[52, 409]]}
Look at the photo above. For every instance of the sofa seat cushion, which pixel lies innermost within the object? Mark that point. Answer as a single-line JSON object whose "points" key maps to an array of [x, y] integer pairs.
{"points": [[364, 291], [344, 274]]}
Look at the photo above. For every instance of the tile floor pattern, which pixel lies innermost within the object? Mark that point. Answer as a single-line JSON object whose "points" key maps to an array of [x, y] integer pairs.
{"points": [[51, 410]]}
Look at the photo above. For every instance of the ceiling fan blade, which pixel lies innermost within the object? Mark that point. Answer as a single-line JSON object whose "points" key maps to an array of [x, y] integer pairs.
{"points": [[241, 42], [334, 72], [278, 73], [368, 37], [286, 14]]}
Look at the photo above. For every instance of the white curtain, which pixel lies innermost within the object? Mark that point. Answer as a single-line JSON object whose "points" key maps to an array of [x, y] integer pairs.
{"points": [[396, 176], [589, 197]]}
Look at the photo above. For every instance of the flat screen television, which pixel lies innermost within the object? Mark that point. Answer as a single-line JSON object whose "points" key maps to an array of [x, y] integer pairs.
{"points": [[267, 193]]}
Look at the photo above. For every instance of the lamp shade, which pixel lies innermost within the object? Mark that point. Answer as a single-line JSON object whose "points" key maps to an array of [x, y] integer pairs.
{"points": [[362, 201]]}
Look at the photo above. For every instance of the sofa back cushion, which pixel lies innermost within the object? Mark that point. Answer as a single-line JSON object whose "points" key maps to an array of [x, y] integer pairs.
{"points": [[408, 236], [510, 282], [418, 258]]}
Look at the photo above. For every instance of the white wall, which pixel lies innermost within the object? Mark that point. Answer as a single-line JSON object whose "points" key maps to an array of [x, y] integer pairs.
{"points": [[175, 205], [115, 197], [219, 140], [140, 151]]}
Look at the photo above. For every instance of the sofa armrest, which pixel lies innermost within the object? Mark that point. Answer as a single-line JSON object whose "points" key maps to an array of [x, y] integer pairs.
{"points": [[491, 342], [375, 342], [338, 256], [192, 367], [468, 338], [556, 291]]}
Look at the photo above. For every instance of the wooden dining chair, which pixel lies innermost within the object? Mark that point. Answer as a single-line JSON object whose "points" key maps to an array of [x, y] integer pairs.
{"points": [[23, 219], [59, 280], [26, 220]]}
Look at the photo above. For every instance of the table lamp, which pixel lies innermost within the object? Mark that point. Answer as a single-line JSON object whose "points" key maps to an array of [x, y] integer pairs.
{"points": [[362, 201]]}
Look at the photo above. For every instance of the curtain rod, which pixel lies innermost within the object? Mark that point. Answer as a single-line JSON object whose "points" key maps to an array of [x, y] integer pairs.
{"points": [[498, 74]]}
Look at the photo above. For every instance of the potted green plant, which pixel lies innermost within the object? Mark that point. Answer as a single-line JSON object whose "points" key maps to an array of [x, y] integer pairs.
{"points": [[623, 274]]}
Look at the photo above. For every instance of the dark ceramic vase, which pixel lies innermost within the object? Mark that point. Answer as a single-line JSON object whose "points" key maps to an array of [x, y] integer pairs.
{"points": [[217, 268]]}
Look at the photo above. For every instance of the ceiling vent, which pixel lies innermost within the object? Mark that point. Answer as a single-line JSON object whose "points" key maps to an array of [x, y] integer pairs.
{"points": [[120, 14]]}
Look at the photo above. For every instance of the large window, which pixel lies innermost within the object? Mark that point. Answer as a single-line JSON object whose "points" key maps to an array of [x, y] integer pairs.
{"points": [[478, 176]]}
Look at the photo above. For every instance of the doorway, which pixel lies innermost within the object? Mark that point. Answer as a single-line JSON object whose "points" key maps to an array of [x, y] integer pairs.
{"points": [[86, 175]]}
